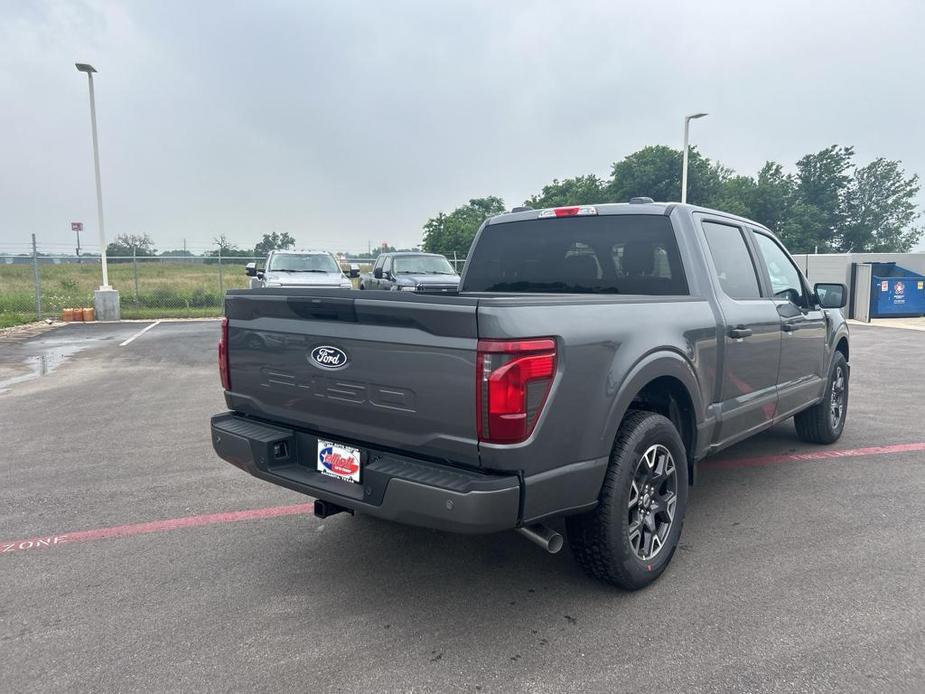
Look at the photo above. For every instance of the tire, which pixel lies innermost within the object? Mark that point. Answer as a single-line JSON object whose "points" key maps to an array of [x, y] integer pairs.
{"points": [[825, 421], [603, 541]]}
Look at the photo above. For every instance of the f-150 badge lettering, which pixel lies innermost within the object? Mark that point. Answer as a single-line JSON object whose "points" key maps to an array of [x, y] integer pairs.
{"points": [[328, 357]]}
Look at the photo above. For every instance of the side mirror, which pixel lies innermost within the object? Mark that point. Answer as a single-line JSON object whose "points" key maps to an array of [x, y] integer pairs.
{"points": [[377, 273], [259, 274], [250, 269], [831, 295]]}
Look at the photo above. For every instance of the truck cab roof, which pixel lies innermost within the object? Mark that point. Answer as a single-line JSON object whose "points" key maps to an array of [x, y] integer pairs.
{"points": [[614, 208]]}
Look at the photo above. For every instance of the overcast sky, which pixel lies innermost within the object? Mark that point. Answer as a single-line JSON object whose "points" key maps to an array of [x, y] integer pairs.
{"points": [[346, 122]]}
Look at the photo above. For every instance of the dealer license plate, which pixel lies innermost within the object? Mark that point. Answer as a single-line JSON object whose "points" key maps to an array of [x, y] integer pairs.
{"points": [[338, 460]]}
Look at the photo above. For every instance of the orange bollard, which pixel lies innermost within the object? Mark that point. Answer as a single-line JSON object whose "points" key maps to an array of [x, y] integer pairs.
{"points": [[88, 314]]}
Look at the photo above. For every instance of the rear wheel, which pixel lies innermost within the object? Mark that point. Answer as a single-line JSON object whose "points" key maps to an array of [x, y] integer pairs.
{"points": [[629, 539], [825, 421]]}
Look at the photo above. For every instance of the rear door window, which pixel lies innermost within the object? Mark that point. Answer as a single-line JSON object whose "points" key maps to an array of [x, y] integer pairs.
{"points": [[607, 254], [734, 266]]}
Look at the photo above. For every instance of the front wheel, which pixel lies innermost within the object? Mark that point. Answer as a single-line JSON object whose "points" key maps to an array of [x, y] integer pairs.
{"points": [[629, 539], [825, 421]]}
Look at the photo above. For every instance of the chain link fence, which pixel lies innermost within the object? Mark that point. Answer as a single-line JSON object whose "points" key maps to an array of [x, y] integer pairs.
{"points": [[149, 286], [34, 286]]}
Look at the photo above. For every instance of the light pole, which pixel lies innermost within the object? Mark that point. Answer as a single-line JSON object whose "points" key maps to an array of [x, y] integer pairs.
{"points": [[106, 299], [687, 127]]}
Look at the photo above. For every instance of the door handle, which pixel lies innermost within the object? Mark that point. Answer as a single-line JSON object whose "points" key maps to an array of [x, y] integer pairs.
{"points": [[739, 332], [788, 327]]}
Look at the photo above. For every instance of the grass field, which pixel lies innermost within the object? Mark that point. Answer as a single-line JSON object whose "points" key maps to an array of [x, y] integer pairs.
{"points": [[164, 289]]}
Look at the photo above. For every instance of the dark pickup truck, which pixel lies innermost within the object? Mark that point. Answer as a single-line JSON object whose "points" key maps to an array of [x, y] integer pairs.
{"points": [[411, 272], [591, 357]]}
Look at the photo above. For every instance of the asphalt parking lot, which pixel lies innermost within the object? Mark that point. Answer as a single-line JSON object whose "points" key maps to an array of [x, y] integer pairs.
{"points": [[133, 559]]}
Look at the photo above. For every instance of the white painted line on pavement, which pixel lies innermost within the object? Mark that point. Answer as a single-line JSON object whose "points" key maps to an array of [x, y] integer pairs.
{"points": [[139, 333]]}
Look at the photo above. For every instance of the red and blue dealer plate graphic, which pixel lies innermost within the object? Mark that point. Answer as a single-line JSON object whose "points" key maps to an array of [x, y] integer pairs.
{"points": [[338, 460]]}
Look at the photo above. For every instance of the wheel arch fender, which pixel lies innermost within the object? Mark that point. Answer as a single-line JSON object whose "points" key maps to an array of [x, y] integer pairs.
{"points": [[840, 343], [666, 369]]}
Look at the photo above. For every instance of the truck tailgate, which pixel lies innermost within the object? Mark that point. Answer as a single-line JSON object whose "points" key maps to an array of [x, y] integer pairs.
{"points": [[404, 376]]}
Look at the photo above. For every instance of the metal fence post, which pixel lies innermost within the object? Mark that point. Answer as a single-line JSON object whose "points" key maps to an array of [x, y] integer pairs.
{"points": [[36, 282], [221, 277], [135, 272]]}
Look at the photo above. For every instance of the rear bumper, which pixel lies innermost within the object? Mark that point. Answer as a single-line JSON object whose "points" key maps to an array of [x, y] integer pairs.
{"points": [[392, 487]]}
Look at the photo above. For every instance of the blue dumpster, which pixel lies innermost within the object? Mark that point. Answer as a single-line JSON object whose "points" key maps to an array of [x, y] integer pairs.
{"points": [[896, 291]]}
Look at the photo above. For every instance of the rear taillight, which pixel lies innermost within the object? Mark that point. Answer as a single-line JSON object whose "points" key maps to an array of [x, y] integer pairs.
{"points": [[512, 381], [223, 356]]}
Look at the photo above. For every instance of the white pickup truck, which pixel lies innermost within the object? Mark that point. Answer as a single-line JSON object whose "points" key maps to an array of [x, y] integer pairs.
{"points": [[298, 269]]}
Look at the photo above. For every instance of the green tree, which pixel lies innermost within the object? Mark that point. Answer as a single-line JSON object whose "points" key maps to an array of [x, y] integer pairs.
{"points": [[737, 195], [581, 190], [227, 250], [773, 196], [274, 242], [879, 211], [822, 181], [124, 244], [449, 233], [655, 172]]}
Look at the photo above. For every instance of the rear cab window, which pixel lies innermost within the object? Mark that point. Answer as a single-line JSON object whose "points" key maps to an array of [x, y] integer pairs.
{"points": [[606, 254]]}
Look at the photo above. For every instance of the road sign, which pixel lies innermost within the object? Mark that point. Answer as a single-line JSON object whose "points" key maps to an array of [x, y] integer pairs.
{"points": [[77, 226]]}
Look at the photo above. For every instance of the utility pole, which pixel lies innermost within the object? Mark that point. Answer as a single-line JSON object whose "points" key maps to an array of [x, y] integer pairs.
{"points": [[687, 125], [105, 299], [36, 282]]}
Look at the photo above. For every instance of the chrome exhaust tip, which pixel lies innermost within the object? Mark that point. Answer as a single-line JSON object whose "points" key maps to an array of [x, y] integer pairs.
{"points": [[545, 537]]}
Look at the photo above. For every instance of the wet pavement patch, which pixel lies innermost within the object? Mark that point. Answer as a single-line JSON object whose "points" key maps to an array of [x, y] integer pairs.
{"points": [[41, 364]]}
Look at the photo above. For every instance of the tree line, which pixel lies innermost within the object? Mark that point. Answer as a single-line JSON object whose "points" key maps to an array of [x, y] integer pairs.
{"points": [[142, 245], [827, 204], [124, 246]]}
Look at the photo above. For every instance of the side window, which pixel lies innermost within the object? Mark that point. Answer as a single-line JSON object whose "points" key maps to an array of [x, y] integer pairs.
{"points": [[387, 266], [379, 261], [785, 278], [733, 262]]}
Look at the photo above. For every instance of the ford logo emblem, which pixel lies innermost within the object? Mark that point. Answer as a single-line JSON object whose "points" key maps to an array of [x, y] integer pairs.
{"points": [[328, 357]]}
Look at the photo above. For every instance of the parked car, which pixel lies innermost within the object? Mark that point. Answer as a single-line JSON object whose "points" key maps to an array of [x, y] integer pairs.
{"points": [[591, 358], [411, 272], [299, 269]]}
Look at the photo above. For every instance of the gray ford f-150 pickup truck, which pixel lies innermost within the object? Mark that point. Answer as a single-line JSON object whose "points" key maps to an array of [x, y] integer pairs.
{"points": [[591, 357]]}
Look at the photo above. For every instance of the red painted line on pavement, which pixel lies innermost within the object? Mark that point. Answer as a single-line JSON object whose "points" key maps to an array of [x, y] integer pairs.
{"points": [[814, 455], [296, 509], [154, 527]]}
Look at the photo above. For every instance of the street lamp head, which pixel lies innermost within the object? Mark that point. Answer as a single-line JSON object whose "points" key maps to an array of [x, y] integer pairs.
{"points": [[697, 115], [85, 67]]}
